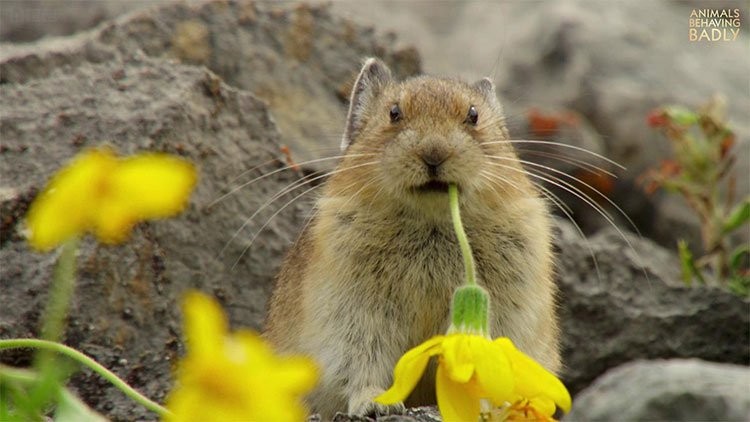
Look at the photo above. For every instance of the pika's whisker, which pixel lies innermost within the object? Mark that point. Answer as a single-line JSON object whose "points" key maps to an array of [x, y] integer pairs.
{"points": [[569, 215], [583, 197], [560, 144], [603, 196], [491, 177], [554, 199], [559, 203], [288, 203], [565, 186], [569, 160], [273, 199], [263, 176], [252, 240], [290, 187], [250, 170]]}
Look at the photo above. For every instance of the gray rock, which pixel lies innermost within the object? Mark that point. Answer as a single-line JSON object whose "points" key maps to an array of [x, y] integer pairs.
{"points": [[673, 390], [417, 414], [300, 59], [635, 307], [29, 20]]}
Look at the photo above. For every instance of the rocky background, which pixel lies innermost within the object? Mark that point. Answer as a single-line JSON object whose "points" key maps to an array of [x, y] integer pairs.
{"points": [[228, 84]]}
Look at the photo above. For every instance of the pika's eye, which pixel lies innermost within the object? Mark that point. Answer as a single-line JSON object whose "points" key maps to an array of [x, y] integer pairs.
{"points": [[472, 116], [395, 113]]}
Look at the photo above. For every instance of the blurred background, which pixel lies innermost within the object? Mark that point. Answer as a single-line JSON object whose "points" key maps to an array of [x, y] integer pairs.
{"points": [[591, 69]]}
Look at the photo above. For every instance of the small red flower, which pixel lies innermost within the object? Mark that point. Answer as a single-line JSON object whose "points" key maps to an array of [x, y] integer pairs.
{"points": [[657, 118], [726, 145]]}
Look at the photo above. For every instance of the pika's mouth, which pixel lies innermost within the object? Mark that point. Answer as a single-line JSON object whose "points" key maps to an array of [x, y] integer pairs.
{"points": [[433, 186]]}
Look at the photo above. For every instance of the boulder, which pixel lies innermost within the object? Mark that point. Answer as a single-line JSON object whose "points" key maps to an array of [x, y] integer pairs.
{"points": [[668, 390], [621, 300], [29, 20], [300, 59]]}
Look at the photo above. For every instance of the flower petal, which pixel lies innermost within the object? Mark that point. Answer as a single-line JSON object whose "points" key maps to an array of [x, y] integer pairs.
{"points": [[493, 371], [456, 401], [205, 325], [153, 185], [142, 187], [234, 376], [113, 221], [298, 374], [409, 370], [65, 206], [458, 356], [532, 380], [100, 192], [295, 374]]}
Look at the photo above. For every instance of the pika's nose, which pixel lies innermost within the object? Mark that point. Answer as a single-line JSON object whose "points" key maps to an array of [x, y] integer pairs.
{"points": [[433, 158]]}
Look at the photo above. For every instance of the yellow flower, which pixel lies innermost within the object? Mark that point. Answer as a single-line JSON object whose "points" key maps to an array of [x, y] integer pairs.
{"points": [[473, 369], [107, 195], [234, 377]]}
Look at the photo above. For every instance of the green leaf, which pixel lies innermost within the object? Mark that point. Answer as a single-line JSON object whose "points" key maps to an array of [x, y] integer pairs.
{"points": [[689, 269], [735, 260], [71, 409], [739, 284], [681, 115], [14, 404], [15, 401], [739, 216], [739, 280], [686, 262]]}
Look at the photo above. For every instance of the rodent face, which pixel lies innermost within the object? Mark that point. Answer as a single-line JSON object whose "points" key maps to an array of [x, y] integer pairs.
{"points": [[424, 133], [434, 142]]}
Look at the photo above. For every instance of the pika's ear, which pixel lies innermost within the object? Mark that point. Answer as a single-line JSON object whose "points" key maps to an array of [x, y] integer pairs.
{"points": [[485, 87], [371, 80]]}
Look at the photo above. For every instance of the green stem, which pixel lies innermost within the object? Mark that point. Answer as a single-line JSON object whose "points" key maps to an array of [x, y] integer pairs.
{"points": [[463, 241], [61, 291], [53, 324], [87, 361]]}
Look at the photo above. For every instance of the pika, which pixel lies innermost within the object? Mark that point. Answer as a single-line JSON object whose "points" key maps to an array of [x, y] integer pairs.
{"points": [[373, 274]]}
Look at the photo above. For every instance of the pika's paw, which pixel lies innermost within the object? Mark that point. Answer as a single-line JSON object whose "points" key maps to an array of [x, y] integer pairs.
{"points": [[363, 404]]}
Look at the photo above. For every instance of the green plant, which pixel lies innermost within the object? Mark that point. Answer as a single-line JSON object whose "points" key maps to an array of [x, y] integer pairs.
{"points": [[701, 171]]}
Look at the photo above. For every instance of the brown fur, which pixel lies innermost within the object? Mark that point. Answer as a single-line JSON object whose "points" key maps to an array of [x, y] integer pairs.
{"points": [[374, 273]]}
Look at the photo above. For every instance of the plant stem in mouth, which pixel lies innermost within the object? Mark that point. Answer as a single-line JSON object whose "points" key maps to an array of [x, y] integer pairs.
{"points": [[463, 241]]}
